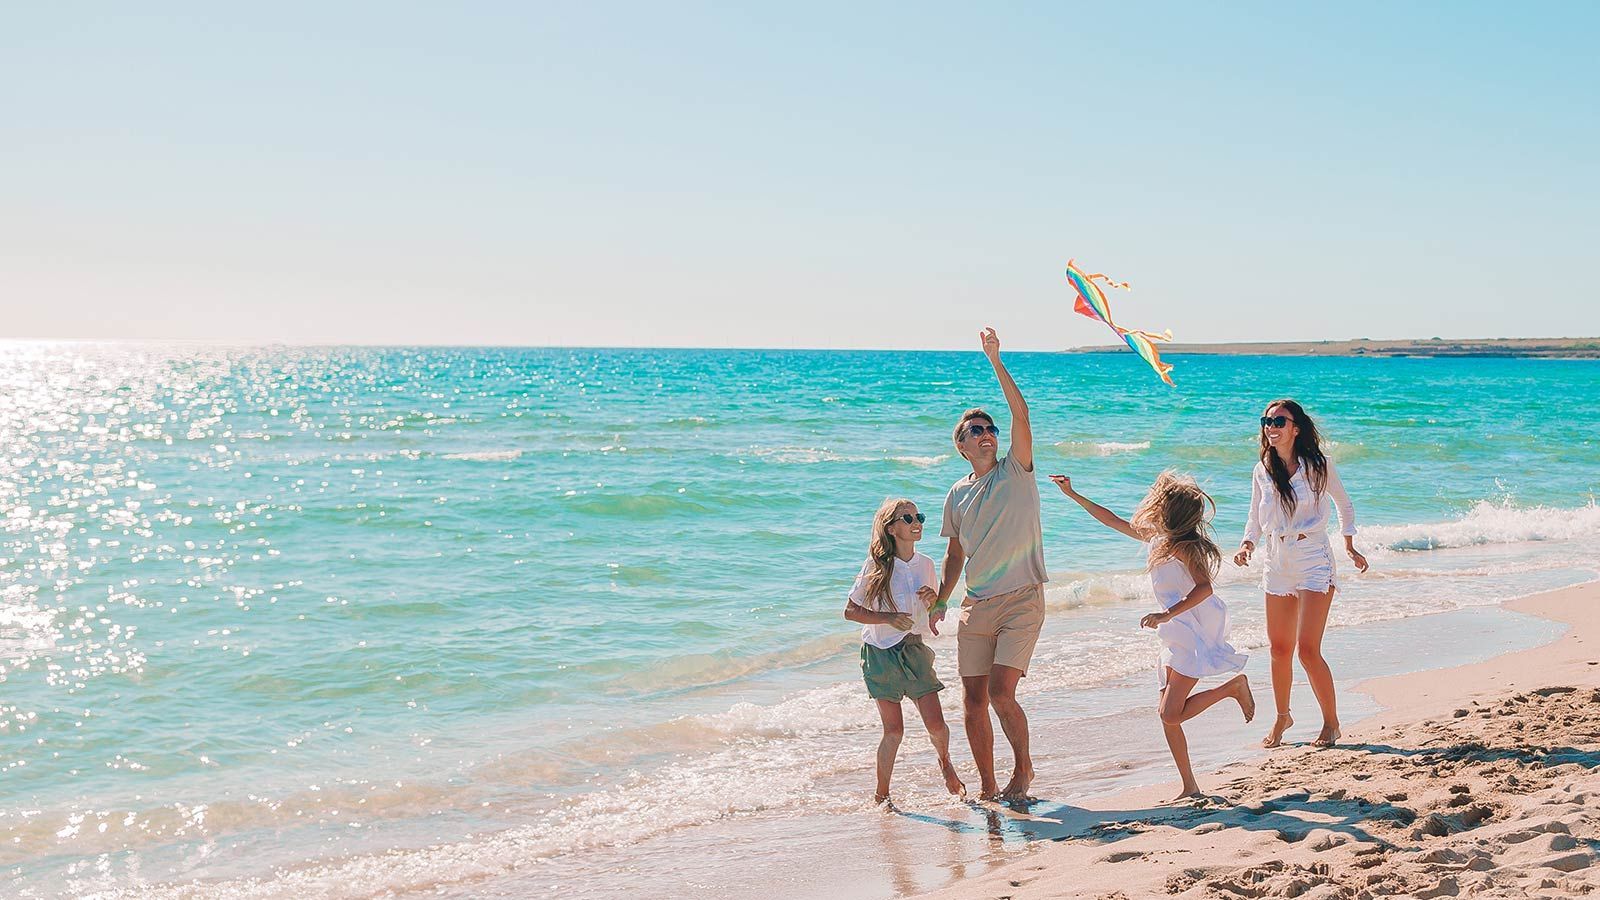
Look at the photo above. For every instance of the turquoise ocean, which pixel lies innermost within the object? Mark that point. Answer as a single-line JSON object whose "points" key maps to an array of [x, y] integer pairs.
{"points": [[516, 622]]}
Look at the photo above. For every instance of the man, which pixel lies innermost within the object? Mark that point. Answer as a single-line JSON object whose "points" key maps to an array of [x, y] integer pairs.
{"points": [[992, 520]]}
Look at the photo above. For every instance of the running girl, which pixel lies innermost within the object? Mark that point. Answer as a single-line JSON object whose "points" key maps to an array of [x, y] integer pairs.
{"points": [[1193, 626]]}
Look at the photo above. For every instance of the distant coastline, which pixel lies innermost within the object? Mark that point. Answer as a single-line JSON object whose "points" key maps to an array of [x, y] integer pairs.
{"points": [[1552, 348]]}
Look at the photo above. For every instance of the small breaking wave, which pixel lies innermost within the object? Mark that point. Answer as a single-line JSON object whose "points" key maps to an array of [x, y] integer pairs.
{"points": [[1490, 523], [486, 455], [1075, 449]]}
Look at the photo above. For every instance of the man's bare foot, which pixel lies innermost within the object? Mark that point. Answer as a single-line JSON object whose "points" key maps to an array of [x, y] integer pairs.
{"points": [[1247, 700], [952, 781], [1330, 735], [989, 791], [1275, 737], [1018, 788]]}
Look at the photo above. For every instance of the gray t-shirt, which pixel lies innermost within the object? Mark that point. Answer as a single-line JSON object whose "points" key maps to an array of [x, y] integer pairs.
{"points": [[996, 518]]}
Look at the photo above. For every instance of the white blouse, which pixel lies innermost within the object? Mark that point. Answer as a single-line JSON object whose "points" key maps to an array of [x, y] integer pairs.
{"points": [[1311, 510], [904, 581]]}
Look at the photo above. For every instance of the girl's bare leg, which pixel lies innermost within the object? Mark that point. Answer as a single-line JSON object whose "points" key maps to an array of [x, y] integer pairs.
{"points": [[939, 734], [1314, 608], [1238, 687], [894, 727], [1173, 700], [1283, 621]]}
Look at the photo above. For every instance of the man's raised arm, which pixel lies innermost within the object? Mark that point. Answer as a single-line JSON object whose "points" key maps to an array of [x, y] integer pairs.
{"points": [[1021, 429]]}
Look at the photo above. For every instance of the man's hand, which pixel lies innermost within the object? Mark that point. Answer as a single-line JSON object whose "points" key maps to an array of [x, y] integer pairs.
{"points": [[991, 343], [934, 618]]}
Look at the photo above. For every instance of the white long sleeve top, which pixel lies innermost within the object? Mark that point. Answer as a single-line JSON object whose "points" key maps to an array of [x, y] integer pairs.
{"points": [[1311, 510]]}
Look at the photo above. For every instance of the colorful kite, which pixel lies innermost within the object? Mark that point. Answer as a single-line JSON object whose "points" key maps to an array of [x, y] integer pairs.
{"points": [[1092, 303]]}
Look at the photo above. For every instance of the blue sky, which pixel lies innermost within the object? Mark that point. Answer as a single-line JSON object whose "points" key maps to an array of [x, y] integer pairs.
{"points": [[806, 175]]}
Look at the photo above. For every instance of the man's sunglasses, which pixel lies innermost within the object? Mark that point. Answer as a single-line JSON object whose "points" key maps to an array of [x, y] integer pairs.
{"points": [[1275, 421], [908, 518], [976, 430]]}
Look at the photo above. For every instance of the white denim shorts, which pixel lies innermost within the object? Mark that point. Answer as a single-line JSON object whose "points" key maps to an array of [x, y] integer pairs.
{"points": [[1298, 562]]}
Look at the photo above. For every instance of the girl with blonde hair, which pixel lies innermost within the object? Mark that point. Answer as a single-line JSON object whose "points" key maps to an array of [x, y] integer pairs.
{"points": [[1174, 521], [890, 598]]}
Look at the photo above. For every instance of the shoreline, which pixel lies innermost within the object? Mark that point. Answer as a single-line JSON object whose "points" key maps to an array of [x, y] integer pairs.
{"points": [[1471, 778], [1468, 348]]}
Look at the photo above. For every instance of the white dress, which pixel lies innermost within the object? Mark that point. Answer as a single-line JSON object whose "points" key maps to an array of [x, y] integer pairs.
{"points": [[1194, 643]]}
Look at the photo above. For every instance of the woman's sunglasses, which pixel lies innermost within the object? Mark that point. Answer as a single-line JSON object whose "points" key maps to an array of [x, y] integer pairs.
{"points": [[976, 430], [908, 518], [1275, 421]]}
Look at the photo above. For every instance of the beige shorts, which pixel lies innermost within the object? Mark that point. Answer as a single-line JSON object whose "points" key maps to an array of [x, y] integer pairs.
{"points": [[999, 631]]}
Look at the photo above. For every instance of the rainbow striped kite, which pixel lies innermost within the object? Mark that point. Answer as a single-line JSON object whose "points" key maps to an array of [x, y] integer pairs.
{"points": [[1092, 303]]}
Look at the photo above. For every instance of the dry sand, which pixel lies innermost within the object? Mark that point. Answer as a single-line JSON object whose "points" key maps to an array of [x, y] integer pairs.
{"points": [[1482, 780]]}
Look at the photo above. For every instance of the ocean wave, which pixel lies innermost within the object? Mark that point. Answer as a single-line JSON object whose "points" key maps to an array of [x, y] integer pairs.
{"points": [[1489, 523], [1073, 449], [920, 461], [485, 455], [702, 669]]}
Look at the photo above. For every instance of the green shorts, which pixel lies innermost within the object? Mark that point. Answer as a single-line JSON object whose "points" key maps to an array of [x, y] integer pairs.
{"points": [[904, 670]]}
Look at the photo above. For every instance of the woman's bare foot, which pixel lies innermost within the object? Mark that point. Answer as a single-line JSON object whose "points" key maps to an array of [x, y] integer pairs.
{"points": [[952, 781], [1247, 700], [1330, 735], [880, 799], [1274, 737], [1190, 791], [1017, 789]]}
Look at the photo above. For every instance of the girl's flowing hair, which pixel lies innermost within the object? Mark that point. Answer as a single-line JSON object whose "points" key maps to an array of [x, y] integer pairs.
{"points": [[880, 556], [1307, 446], [1175, 514]]}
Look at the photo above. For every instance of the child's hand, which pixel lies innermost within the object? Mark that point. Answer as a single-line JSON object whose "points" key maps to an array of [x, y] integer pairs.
{"points": [[928, 596], [1151, 620], [1064, 482], [1242, 558], [902, 622]]}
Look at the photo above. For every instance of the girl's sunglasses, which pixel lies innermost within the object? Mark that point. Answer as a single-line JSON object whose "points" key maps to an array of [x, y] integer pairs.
{"points": [[908, 518], [1275, 421], [976, 430]]}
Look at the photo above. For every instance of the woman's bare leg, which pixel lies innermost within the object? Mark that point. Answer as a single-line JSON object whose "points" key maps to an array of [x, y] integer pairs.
{"points": [[1314, 608], [1283, 621]]}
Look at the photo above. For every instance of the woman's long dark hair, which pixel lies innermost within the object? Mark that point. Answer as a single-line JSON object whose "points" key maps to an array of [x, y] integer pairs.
{"points": [[1307, 447]]}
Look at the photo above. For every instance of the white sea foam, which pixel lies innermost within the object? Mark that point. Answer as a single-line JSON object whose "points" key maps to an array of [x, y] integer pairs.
{"points": [[486, 455], [921, 461], [1099, 448], [1490, 523]]}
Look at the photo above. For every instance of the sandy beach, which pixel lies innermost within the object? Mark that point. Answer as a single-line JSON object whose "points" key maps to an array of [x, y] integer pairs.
{"points": [[1480, 780]]}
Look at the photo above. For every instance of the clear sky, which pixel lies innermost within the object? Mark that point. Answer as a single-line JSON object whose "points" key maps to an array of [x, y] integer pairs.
{"points": [[799, 175]]}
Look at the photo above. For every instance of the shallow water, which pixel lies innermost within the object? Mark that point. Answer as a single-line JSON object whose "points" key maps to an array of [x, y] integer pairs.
{"points": [[261, 608]]}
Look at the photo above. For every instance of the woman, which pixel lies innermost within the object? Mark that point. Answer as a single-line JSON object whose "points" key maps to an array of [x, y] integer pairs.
{"points": [[1290, 493]]}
